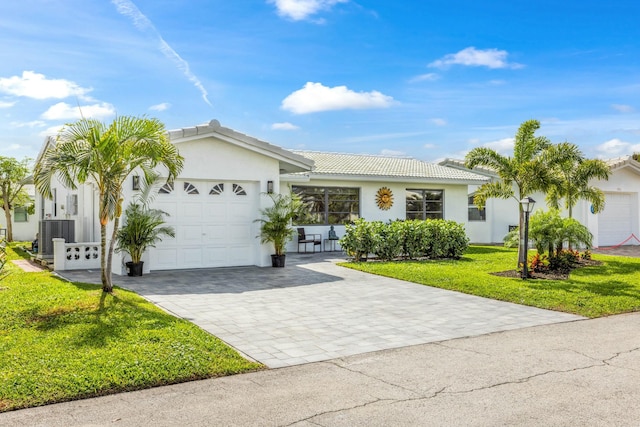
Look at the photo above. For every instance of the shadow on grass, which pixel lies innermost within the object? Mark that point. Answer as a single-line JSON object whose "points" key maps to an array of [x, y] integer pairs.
{"points": [[96, 322], [484, 250]]}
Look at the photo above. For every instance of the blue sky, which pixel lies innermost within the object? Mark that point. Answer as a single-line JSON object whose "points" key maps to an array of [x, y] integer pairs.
{"points": [[415, 78]]}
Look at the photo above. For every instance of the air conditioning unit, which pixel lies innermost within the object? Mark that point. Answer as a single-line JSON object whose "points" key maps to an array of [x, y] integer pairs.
{"points": [[55, 228]]}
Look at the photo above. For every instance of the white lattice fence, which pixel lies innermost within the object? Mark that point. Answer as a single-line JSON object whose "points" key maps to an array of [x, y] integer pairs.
{"points": [[75, 256]]}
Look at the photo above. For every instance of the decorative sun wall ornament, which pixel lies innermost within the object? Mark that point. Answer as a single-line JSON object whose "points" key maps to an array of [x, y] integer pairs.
{"points": [[384, 198]]}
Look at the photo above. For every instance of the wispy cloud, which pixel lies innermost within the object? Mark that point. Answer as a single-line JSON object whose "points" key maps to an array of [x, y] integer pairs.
{"points": [[621, 108], [438, 121], [382, 137], [392, 153], [428, 77], [160, 107], [284, 126], [31, 124], [6, 104], [130, 10], [64, 111], [299, 10], [37, 86], [315, 97], [472, 57]]}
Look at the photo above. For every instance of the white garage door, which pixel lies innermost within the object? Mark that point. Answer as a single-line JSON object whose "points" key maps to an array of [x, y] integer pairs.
{"points": [[213, 222], [615, 223]]}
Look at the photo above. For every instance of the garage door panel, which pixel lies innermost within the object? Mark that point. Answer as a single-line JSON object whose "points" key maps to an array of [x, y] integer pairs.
{"points": [[189, 234], [237, 255], [191, 256], [212, 230], [615, 223], [239, 234], [166, 257]]}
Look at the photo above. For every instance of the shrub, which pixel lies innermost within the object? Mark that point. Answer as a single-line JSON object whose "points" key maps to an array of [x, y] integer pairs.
{"points": [[512, 238], [538, 262], [387, 239], [413, 238], [358, 240]]}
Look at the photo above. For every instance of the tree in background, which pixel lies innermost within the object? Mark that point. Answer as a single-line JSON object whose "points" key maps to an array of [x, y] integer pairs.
{"points": [[572, 174], [521, 175], [13, 177], [106, 155]]}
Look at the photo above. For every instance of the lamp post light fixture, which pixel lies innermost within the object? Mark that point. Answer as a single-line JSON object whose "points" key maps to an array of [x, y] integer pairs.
{"points": [[527, 204]]}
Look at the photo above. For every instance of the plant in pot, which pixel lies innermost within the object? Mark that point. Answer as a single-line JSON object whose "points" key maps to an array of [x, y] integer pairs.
{"points": [[275, 224], [142, 229]]}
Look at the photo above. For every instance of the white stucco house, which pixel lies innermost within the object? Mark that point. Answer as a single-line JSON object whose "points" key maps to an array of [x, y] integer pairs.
{"points": [[24, 225], [214, 202], [618, 223]]}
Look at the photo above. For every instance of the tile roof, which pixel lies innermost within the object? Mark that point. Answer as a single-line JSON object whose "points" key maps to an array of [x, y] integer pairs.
{"points": [[363, 165]]}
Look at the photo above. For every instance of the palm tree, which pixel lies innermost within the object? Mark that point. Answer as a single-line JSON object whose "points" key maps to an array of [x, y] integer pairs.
{"points": [[573, 173], [520, 175], [106, 155]]}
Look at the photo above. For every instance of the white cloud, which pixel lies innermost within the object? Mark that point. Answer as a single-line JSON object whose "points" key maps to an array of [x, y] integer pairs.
{"points": [[314, 97], [299, 10], [5, 104], [428, 77], [621, 108], [429, 146], [438, 121], [63, 111], [392, 153], [284, 126], [129, 9], [616, 147], [160, 107], [51, 131], [472, 57], [32, 124], [37, 86], [502, 146]]}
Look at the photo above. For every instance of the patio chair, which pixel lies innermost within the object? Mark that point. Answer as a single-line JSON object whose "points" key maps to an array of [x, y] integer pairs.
{"points": [[304, 239]]}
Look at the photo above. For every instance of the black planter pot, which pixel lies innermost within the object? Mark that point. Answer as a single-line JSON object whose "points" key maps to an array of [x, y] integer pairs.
{"points": [[277, 260], [134, 269]]}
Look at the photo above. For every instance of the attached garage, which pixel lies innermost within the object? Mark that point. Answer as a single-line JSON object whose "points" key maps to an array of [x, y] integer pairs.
{"points": [[618, 221], [213, 221]]}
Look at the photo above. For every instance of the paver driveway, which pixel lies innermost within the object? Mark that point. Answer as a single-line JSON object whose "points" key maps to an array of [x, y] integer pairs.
{"points": [[314, 310]]}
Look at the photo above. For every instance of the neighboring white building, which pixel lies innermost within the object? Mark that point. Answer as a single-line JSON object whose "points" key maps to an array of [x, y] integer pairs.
{"points": [[25, 226], [215, 201], [618, 223]]}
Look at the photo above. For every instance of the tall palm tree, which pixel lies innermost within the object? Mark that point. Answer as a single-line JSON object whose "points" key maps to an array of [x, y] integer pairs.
{"points": [[106, 155], [572, 175], [520, 175]]}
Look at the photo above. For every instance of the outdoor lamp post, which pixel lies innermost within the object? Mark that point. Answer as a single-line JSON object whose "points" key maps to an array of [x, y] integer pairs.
{"points": [[527, 206]]}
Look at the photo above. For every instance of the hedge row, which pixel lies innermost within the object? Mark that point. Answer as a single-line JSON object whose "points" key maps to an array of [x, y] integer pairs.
{"points": [[431, 238]]}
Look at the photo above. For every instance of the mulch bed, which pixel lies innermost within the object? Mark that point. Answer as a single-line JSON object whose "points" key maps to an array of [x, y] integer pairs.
{"points": [[549, 274]]}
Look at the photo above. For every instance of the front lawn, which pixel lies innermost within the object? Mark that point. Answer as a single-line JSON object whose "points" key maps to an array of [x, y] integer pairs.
{"points": [[593, 291], [63, 341]]}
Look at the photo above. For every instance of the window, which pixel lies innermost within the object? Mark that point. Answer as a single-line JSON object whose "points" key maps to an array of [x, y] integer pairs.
{"points": [[476, 214], [425, 204], [20, 214], [328, 205]]}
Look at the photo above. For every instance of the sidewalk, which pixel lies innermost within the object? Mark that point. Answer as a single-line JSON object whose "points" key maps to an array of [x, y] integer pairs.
{"points": [[582, 373]]}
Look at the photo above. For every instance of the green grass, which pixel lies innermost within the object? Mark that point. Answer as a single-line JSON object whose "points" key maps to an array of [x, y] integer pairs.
{"points": [[62, 341], [593, 291]]}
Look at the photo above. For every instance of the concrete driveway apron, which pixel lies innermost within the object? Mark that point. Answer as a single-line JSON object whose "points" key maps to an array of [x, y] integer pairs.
{"points": [[314, 310]]}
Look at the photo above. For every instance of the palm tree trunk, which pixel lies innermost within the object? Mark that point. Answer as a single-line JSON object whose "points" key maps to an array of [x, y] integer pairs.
{"points": [[116, 224], [106, 282]]}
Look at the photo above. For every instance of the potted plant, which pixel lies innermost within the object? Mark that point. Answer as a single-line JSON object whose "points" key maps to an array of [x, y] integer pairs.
{"points": [[143, 228], [275, 224]]}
